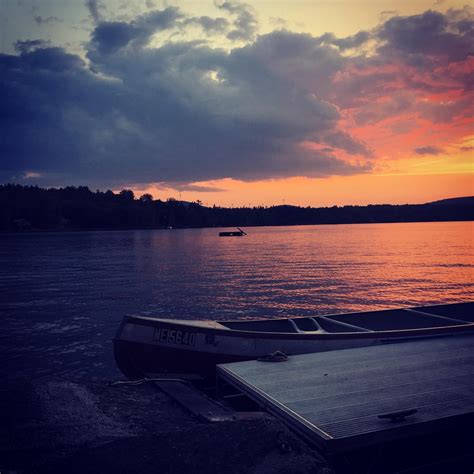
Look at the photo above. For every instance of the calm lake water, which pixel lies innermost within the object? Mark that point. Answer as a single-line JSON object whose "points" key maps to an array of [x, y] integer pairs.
{"points": [[64, 294]]}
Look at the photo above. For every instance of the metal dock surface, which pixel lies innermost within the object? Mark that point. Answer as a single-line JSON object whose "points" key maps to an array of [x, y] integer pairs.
{"points": [[335, 398]]}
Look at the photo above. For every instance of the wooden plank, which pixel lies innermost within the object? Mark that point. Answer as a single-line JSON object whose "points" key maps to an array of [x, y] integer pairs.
{"points": [[308, 361], [334, 398], [453, 418], [354, 397], [370, 424], [375, 407], [354, 368], [443, 366], [297, 422], [386, 381]]}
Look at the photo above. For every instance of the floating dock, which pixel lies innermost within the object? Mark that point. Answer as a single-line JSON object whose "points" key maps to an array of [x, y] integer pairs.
{"points": [[355, 398]]}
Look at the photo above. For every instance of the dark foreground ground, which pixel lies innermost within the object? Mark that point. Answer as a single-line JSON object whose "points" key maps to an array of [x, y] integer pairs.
{"points": [[66, 427]]}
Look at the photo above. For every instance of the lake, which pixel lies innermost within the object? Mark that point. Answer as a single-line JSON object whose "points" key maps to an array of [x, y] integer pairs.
{"points": [[64, 294]]}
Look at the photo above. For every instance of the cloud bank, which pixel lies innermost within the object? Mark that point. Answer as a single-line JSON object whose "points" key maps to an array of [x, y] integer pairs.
{"points": [[142, 106]]}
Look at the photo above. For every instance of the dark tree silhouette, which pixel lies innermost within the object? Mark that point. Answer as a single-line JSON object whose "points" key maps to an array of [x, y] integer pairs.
{"points": [[146, 198], [26, 208]]}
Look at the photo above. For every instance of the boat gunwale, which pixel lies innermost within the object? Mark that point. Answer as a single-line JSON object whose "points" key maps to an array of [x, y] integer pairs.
{"points": [[227, 332], [372, 311]]}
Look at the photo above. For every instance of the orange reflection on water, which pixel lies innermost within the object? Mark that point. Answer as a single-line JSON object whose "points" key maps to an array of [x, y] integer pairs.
{"points": [[307, 270]]}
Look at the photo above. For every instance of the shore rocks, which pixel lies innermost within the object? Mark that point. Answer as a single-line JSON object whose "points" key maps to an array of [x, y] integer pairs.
{"points": [[63, 426]]}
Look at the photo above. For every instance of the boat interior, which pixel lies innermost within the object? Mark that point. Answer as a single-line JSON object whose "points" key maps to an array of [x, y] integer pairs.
{"points": [[369, 321]]}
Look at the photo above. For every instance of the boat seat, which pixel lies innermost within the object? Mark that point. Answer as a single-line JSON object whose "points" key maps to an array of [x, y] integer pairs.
{"points": [[343, 325], [309, 325], [294, 326]]}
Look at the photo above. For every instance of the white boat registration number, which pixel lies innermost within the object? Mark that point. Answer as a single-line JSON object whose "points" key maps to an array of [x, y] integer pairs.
{"points": [[173, 336]]}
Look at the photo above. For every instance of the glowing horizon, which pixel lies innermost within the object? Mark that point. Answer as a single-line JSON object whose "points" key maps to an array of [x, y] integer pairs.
{"points": [[334, 191]]}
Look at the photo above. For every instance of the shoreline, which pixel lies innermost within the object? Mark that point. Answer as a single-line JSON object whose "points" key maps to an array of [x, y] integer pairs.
{"points": [[57, 426], [125, 229], [62, 426]]}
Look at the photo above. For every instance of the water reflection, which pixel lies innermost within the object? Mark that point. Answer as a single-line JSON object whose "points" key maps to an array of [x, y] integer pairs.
{"points": [[62, 295]]}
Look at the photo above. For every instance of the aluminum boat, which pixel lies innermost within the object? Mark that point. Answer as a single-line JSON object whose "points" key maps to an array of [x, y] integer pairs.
{"points": [[146, 345]]}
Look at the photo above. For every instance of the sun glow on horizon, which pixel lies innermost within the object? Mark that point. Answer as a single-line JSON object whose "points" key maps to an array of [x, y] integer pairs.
{"points": [[322, 192]]}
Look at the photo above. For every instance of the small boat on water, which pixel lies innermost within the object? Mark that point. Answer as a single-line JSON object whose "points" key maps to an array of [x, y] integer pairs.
{"points": [[145, 345], [235, 233]]}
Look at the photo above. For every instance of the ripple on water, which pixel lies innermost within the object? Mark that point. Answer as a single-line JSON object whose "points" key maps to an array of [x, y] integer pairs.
{"points": [[63, 295]]}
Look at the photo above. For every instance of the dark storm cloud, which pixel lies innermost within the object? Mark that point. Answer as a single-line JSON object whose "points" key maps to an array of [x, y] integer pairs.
{"points": [[28, 45], [108, 37], [185, 112], [94, 7], [210, 25], [353, 41], [430, 33], [343, 141], [245, 23], [43, 93], [421, 54], [428, 150]]}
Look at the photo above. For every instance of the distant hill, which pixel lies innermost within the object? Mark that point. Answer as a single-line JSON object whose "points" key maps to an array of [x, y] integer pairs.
{"points": [[459, 201], [30, 208], [285, 206]]}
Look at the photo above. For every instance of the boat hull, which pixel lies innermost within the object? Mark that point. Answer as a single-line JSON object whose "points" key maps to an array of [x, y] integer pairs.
{"points": [[145, 346], [137, 360]]}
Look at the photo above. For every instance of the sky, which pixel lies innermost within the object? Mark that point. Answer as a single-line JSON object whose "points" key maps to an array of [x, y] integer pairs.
{"points": [[315, 103]]}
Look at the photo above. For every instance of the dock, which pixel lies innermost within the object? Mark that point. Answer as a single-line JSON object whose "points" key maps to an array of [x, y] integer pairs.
{"points": [[357, 398]]}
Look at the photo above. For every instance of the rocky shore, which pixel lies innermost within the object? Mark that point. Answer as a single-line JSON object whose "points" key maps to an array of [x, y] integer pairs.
{"points": [[64, 426]]}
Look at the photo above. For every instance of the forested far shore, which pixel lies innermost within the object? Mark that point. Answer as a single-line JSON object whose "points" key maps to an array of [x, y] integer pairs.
{"points": [[30, 208]]}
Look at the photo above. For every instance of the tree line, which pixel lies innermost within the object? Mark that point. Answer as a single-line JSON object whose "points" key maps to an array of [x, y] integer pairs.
{"points": [[29, 208]]}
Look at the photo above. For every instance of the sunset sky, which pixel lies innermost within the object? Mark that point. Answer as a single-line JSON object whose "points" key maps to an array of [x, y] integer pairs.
{"points": [[260, 103]]}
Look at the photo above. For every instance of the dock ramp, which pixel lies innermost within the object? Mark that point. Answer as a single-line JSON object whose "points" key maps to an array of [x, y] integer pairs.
{"points": [[354, 398]]}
